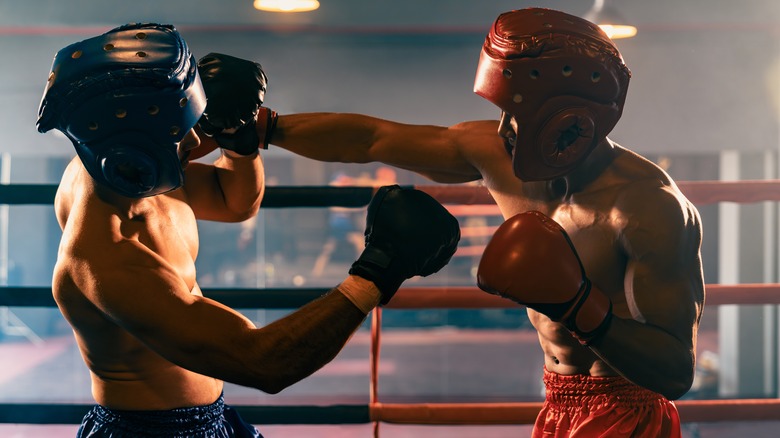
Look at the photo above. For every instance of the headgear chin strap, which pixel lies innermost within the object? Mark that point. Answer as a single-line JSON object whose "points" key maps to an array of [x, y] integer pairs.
{"points": [[126, 99], [562, 79]]}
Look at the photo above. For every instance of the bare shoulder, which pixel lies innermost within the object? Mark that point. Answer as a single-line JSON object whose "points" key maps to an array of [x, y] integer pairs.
{"points": [[654, 213], [474, 134], [63, 199], [480, 144]]}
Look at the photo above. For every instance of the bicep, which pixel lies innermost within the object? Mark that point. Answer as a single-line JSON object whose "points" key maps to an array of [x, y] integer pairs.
{"points": [[664, 280], [667, 297], [203, 191], [209, 193]]}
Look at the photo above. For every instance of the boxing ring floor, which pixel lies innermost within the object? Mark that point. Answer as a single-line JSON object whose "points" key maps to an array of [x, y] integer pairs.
{"points": [[469, 416]]}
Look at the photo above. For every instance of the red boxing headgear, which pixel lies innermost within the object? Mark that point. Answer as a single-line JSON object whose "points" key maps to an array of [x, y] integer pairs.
{"points": [[562, 79]]}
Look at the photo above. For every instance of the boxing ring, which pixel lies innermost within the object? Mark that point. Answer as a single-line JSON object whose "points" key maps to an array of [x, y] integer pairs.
{"points": [[454, 197]]}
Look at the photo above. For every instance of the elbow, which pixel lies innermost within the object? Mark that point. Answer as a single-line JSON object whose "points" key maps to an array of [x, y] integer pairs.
{"points": [[271, 388], [676, 390], [248, 213], [244, 211], [677, 385], [239, 216], [275, 384]]}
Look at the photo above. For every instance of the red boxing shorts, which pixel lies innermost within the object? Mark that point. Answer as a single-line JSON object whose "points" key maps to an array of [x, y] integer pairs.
{"points": [[581, 406]]}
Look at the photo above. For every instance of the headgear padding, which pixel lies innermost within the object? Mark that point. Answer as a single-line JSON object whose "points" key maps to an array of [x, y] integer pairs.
{"points": [[562, 79], [126, 99]]}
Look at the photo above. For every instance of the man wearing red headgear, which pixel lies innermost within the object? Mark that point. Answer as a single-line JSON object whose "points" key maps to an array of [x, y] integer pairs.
{"points": [[598, 242]]}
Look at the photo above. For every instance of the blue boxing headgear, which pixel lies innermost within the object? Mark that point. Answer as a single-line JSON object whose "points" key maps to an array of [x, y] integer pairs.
{"points": [[125, 99]]}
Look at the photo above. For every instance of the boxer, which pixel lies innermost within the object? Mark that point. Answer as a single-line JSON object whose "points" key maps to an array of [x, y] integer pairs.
{"points": [[158, 351], [609, 265]]}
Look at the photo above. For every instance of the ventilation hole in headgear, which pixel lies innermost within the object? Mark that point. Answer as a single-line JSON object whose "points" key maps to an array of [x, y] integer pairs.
{"points": [[507, 73], [93, 126], [140, 36], [534, 74], [567, 71], [121, 113], [183, 102], [539, 13], [595, 76], [568, 137], [76, 54], [548, 25], [153, 110], [174, 130], [140, 54], [517, 98], [108, 47]]}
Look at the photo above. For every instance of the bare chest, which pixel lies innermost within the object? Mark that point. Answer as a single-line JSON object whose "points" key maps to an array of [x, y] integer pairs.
{"points": [[596, 237], [595, 230]]}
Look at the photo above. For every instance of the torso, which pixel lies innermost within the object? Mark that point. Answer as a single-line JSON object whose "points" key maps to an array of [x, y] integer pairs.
{"points": [[125, 373], [594, 225]]}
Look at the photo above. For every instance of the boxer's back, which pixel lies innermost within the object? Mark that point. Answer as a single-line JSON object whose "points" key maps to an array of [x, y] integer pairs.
{"points": [[99, 236]]}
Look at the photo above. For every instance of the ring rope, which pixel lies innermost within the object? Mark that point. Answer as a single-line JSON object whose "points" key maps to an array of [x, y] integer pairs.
{"points": [[433, 297], [700, 192]]}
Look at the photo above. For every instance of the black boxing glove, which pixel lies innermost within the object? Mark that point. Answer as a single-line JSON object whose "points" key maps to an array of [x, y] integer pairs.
{"points": [[235, 89], [408, 233]]}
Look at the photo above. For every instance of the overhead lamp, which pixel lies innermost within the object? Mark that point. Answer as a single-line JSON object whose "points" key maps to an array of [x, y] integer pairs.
{"points": [[609, 20], [287, 5]]}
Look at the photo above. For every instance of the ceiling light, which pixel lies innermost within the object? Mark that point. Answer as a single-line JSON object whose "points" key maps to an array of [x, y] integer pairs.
{"points": [[287, 5], [609, 20]]}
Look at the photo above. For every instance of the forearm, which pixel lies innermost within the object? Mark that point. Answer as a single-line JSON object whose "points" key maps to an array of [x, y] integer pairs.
{"points": [[296, 346], [647, 356], [331, 137], [242, 182], [435, 152], [228, 346]]}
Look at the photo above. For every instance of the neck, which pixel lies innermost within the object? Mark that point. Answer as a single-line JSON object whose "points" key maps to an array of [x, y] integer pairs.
{"points": [[124, 205]]}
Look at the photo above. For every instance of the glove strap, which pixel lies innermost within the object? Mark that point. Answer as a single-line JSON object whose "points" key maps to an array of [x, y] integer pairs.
{"points": [[591, 316], [375, 265], [243, 142]]}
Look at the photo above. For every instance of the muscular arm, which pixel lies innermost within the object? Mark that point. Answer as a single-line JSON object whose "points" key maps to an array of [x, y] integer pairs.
{"points": [[442, 154], [148, 300], [665, 292], [230, 190]]}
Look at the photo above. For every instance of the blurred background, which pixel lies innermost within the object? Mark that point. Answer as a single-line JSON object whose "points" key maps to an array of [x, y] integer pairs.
{"points": [[704, 103]]}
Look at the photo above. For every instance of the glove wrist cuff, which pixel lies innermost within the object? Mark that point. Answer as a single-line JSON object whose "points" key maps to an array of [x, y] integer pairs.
{"points": [[376, 266], [590, 318], [233, 154], [266, 125]]}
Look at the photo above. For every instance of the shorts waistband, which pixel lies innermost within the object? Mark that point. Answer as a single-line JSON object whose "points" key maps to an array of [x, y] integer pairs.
{"points": [[189, 420], [573, 390]]}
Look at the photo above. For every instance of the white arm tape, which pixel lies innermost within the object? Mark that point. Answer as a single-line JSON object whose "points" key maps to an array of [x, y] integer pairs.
{"points": [[363, 293]]}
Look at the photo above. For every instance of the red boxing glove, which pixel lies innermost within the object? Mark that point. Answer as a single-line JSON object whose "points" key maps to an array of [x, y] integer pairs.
{"points": [[531, 260]]}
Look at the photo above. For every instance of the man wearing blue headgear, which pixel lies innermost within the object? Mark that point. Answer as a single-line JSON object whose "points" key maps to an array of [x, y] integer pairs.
{"points": [[158, 351]]}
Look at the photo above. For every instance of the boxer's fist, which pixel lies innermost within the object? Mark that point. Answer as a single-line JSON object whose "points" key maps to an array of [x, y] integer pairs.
{"points": [[235, 89], [408, 233], [531, 260]]}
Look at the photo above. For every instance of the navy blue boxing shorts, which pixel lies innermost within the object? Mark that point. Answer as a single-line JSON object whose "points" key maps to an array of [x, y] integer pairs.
{"points": [[211, 421]]}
